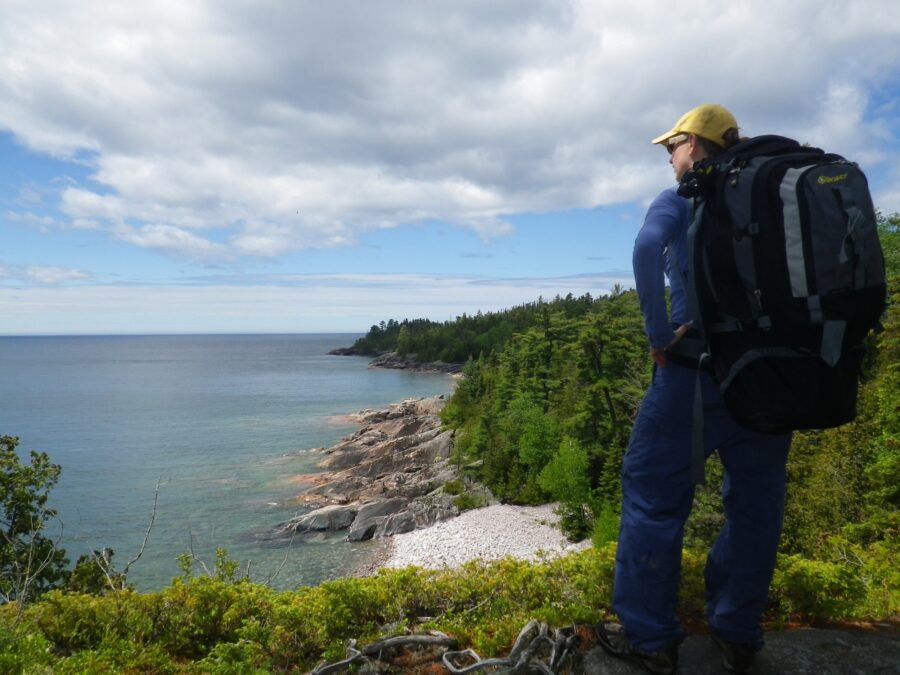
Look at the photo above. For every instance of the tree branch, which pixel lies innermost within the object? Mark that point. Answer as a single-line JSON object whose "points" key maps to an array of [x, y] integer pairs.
{"points": [[147, 534]]}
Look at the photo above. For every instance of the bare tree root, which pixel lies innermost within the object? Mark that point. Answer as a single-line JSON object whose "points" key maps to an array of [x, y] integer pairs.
{"points": [[436, 639], [534, 651]]}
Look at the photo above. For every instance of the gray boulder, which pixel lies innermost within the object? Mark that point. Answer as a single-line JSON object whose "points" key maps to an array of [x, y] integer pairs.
{"points": [[397, 523], [437, 448], [364, 530], [418, 514], [371, 515], [327, 518]]}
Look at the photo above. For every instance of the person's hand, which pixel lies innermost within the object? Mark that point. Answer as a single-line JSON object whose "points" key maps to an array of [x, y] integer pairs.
{"points": [[679, 333], [659, 355]]}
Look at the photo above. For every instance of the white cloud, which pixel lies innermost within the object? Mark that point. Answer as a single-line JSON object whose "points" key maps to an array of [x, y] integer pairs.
{"points": [[283, 126], [52, 275], [170, 239], [317, 303], [40, 223], [27, 276]]}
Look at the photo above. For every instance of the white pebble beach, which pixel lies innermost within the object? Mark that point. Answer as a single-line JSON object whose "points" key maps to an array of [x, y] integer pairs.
{"points": [[488, 533]]}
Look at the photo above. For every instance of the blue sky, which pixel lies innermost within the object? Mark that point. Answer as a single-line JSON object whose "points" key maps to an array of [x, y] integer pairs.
{"points": [[268, 166]]}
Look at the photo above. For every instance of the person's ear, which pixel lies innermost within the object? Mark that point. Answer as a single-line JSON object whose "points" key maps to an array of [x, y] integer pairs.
{"points": [[695, 150]]}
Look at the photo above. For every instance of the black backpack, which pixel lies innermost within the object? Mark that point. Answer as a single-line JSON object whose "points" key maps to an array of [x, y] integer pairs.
{"points": [[786, 279]]}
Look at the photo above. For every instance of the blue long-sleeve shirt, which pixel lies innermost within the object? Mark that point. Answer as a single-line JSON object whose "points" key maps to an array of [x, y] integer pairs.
{"points": [[660, 248]]}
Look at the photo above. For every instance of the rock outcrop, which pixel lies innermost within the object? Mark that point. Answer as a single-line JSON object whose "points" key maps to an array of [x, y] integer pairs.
{"points": [[327, 518], [407, 362], [344, 351], [372, 515], [411, 363], [385, 479]]}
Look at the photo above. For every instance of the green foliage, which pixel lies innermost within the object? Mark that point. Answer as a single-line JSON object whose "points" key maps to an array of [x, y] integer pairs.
{"points": [[847, 480], [565, 478], [692, 589], [817, 590], [467, 501], [889, 233], [21, 648], [548, 417], [208, 624], [706, 517], [467, 336], [606, 526], [94, 573], [30, 562], [454, 487]]}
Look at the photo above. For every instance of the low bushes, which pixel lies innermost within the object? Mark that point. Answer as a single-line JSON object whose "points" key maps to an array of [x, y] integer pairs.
{"points": [[209, 624]]}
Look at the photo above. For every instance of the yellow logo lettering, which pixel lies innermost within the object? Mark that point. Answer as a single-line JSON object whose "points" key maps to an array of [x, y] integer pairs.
{"points": [[825, 180]]}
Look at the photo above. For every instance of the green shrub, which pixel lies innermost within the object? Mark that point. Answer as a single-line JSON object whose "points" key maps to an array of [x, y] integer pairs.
{"points": [[817, 590], [468, 500], [212, 625], [454, 487], [606, 527], [30, 561], [20, 649]]}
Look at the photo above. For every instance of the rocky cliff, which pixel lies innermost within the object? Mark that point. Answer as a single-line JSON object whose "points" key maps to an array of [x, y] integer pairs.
{"points": [[386, 478]]}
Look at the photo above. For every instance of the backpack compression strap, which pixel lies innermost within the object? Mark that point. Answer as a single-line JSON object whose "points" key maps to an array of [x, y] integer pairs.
{"points": [[698, 454]]}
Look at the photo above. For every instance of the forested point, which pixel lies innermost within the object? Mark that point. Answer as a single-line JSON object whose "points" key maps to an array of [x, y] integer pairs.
{"points": [[467, 336], [543, 414]]}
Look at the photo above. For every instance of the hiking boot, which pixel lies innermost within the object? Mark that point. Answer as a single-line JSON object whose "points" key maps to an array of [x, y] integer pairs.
{"points": [[612, 638], [736, 657]]}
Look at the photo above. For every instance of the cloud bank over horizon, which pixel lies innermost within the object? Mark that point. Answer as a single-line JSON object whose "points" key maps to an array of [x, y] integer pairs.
{"points": [[275, 303], [220, 131]]}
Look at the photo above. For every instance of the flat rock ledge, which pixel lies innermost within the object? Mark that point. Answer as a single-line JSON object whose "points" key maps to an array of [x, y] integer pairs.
{"points": [[805, 651], [386, 478]]}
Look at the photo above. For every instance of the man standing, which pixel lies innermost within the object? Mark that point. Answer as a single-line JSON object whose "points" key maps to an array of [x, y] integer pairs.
{"points": [[657, 491]]}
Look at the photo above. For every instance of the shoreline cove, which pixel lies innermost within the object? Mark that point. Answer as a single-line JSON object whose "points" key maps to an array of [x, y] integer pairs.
{"points": [[385, 483]]}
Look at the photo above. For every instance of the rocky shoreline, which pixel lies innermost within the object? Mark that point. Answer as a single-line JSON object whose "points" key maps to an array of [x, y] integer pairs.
{"points": [[387, 478], [392, 481], [408, 362]]}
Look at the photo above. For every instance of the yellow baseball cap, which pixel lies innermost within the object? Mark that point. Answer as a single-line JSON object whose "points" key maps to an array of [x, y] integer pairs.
{"points": [[709, 120]]}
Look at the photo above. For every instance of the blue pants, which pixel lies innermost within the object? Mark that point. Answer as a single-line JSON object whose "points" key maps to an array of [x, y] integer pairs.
{"points": [[656, 499]]}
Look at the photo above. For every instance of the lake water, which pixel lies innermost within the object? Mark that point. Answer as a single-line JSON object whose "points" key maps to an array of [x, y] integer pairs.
{"points": [[220, 422]]}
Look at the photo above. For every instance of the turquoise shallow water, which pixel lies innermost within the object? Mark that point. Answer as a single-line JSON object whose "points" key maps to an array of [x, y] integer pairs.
{"points": [[220, 422]]}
